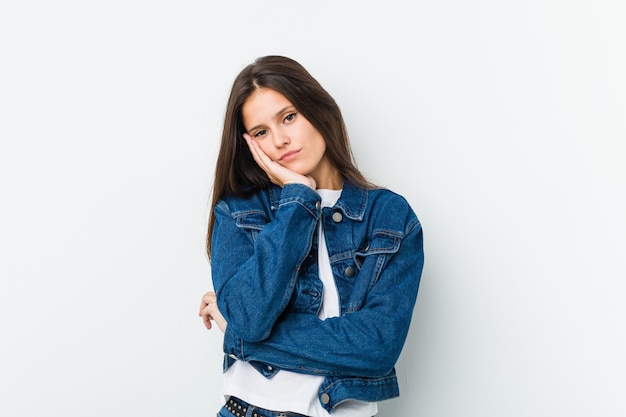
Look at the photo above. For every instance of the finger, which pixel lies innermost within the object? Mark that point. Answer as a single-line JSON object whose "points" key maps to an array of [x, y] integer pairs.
{"points": [[273, 169], [217, 317], [207, 298], [212, 310], [277, 173], [206, 318], [259, 156]]}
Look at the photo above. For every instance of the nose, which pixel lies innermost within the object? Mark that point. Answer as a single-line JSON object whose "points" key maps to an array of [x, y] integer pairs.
{"points": [[281, 138]]}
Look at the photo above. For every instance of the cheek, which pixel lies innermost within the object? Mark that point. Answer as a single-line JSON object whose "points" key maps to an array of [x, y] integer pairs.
{"points": [[267, 148], [321, 144]]}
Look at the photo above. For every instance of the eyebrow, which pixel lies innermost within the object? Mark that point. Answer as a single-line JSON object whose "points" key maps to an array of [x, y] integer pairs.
{"points": [[278, 113]]}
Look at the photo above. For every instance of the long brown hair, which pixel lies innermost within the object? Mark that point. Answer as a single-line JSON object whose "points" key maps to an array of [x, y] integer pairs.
{"points": [[236, 172]]}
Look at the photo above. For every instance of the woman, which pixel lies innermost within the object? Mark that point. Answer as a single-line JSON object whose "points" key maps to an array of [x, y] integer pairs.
{"points": [[315, 270]]}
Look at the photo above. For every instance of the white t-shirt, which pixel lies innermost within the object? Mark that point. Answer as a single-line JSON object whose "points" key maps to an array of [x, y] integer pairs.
{"points": [[291, 391]]}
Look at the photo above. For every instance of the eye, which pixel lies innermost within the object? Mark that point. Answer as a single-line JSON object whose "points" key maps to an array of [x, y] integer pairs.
{"points": [[260, 133], [290, 117]]}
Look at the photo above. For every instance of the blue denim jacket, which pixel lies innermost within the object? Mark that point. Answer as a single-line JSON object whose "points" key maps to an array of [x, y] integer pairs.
{"points": [[265, 274]]}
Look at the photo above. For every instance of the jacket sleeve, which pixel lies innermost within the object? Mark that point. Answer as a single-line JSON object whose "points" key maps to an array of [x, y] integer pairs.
{"points": [[254, 279], [366, 342]]}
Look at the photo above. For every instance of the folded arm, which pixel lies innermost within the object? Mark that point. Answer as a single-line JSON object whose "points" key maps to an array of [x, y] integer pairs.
{"points": [[255, 278], [366, 342]]}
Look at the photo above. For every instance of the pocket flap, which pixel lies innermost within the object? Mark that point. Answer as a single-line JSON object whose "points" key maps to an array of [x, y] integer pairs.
{"points": [[252, 220], [382, 242]]}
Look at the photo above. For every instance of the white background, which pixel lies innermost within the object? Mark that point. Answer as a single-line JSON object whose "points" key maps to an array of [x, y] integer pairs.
{"points": [[502, 122]]}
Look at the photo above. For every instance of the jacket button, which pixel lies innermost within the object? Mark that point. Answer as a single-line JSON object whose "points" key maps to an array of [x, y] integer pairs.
{"points": [[349, 272], [318, 205], [337, 217], [325, 398]]}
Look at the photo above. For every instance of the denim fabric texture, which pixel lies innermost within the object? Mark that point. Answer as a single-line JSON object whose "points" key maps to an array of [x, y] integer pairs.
{"points": [[265, 274]]}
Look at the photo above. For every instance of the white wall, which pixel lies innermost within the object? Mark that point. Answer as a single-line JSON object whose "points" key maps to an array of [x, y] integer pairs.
{"points": [[503, 123]]}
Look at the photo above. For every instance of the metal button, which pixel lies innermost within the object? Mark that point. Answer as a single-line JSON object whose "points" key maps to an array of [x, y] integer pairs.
{"points": [[268, 368], [337, 217], [349, 271], [325, 398], [318, 205]]}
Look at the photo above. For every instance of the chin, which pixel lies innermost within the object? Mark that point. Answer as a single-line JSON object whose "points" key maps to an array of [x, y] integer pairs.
{"points": [[300, 170]]}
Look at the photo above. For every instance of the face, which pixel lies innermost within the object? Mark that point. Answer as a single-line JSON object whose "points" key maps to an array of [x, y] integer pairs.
{"points": [[285, 135]]}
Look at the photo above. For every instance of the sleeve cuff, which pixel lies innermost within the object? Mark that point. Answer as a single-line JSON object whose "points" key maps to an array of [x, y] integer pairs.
{"points": [[303, 195]]}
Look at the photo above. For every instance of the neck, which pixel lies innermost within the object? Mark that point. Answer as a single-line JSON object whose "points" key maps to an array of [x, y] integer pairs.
{"points": [[327, 177], [330, 184]]}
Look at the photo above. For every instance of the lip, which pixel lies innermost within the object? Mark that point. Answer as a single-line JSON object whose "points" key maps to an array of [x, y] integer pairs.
{"points": [[288, 156]]}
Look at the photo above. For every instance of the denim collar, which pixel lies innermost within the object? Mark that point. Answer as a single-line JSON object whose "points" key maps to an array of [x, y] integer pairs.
{"points": [[352, 203]]}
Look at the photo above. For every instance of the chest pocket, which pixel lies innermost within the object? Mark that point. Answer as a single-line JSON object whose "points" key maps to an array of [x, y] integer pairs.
{"points": [[382, 242], [371, 261], [253, 221]]}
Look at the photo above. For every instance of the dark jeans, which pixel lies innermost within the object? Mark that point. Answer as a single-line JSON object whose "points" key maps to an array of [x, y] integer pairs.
{"points": [[248, 410]]}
